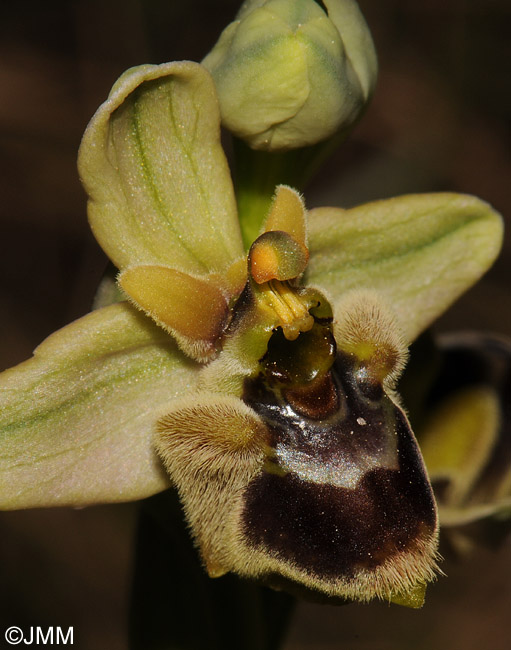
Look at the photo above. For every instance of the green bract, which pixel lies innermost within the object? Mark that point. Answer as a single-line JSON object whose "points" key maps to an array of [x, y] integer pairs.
{"points": [[290, 75]]}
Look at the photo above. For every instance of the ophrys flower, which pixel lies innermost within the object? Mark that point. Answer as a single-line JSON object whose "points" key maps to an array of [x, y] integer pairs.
{"points": [[274, 413]]}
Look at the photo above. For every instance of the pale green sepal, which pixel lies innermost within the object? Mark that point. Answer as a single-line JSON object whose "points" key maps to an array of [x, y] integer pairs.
{"points": [[421, 251], [76, 420], [358, 43], [458, 439], [159, 187], [458, 442], [352, 27]]}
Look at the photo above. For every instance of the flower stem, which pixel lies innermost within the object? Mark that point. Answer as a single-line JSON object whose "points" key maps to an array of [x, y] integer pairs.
{"points": [[257, 173]]}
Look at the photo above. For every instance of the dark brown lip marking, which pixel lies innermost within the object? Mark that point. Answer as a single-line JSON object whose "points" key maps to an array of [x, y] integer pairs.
{"points": [[348, 491]]}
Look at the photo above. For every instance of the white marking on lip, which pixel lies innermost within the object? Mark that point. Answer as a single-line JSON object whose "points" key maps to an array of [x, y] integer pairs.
{"points": [[345, 469]]}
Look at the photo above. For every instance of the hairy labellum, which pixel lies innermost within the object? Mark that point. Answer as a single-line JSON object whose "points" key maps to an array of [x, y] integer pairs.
{"points": [[313, 478], [343, 503]]}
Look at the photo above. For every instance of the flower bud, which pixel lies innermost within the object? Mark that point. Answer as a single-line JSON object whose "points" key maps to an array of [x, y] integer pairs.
{"points": [[288, 75]]}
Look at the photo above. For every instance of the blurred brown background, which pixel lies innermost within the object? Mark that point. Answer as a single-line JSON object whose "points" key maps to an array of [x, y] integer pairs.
{"points": [[439, 121]]}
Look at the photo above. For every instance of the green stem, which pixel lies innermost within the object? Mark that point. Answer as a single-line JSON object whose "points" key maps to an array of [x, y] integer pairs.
{"points": [[257, 173]]}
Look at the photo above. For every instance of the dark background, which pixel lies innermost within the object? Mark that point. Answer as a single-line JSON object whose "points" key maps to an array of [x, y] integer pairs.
{"points": [[439, 120]]}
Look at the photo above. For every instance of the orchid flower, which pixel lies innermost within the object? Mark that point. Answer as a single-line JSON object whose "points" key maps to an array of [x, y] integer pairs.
{"points": [[258, 377], [465, 435]]}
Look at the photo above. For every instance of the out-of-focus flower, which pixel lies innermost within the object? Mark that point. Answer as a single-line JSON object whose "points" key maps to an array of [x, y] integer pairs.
{"points": [[466, 438], [291, 73]]}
